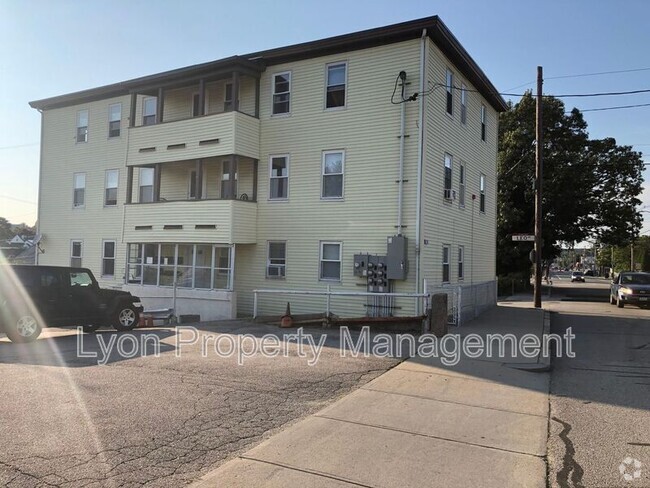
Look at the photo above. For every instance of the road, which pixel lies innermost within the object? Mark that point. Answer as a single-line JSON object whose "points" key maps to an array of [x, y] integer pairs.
{"points": [[152, 421], [600, 400]]}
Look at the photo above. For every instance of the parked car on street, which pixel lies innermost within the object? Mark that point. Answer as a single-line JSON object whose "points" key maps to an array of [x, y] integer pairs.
{"points": [[632, 288], [33, 297], [577, 276]]}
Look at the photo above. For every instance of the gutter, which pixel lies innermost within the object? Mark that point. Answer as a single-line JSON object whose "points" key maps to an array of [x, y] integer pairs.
{"points": [[418, 199]]}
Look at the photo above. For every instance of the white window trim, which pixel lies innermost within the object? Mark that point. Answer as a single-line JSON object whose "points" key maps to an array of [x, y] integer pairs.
{"points": [[342, 173], [282, 114], [449, 89], [449, 157], [140, 185], [461, 260], [448, 263], [155, 110], [483, 123], [205, 103], [463, 104], [78, 126], [268, 261], [118, 120], [232, 94], [345, 100], [116, 187], [288, 159], [114, 258], [74, 188], [81, 256], [462, 184], [204, 183], [340, 261], [482, 181]]}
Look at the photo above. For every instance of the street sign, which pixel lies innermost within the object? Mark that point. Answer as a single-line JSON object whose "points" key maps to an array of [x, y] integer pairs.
{"points": [[523, 237]]}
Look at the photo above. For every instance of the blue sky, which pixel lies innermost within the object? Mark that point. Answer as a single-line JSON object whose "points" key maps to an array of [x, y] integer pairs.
{"points": [[49, 48]]}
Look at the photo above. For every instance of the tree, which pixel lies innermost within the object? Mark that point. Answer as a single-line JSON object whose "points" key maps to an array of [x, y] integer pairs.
{"points": [[5, 229], [590, 186], [567, 181]]}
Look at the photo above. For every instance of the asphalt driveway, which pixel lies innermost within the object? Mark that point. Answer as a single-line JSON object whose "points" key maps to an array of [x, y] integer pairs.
{"points": [[154, 421]]}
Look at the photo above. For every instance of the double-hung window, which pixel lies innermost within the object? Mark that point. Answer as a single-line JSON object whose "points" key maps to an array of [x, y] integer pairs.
{"points": [[76, 253], [461, 185], [114, 119], [149, 109], [463, 103], [445, 263], [481, 189], [461, 262], [330, 261], [82, 126], [332, 174], [146, 185], [79, 194], [276, 263], [110, 191], [449, 92], [336, 85], [448, 177], [483, 122], [108, 258], [282, 93], [279, 177]]}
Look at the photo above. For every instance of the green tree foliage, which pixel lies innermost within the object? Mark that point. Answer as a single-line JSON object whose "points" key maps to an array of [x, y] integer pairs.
{"points": [[5, 229], [590, 187]]}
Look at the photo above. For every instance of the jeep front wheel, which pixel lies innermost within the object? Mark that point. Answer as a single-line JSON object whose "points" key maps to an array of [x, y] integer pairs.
{"points": [[126, 318], [24, 329]]}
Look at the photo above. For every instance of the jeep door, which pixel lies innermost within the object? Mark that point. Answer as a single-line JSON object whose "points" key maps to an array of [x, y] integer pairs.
{"points": [[82, 296]]}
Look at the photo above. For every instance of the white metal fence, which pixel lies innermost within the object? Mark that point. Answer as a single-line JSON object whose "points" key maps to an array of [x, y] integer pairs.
{"points": [[465, 302], [329, 294]]}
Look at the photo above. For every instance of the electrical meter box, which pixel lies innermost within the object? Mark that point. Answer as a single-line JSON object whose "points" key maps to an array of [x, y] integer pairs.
{"points": [[376, 274], [397, 258], [361, 264]]}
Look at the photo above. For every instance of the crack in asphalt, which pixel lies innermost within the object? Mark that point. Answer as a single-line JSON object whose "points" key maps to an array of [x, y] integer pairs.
{"points": [[226, 418], [569, 464]]}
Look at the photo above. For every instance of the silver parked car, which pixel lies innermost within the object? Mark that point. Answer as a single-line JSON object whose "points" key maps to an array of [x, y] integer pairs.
{"points": [[631, 288]]}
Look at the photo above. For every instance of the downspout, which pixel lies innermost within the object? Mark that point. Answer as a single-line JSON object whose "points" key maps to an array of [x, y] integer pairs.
{"points": [[40, 188], [418, 199]]}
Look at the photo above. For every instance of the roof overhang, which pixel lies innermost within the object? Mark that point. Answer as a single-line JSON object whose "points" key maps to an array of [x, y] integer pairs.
{"points": [[254, 63]]}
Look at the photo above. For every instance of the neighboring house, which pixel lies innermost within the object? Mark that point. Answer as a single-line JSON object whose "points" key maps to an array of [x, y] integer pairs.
{"points": [[274, 169], [21, 241]]}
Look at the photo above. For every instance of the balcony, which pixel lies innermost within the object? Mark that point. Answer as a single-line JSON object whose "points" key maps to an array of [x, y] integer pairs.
{"points": [[206, 136], [196, 221]]}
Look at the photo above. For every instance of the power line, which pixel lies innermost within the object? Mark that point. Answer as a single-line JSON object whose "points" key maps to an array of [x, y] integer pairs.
{"points": [[618, 107], [582, 75], [18, 199], [21, 145]]}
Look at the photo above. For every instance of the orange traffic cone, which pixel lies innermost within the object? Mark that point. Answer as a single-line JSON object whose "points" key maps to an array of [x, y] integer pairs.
{"points": [[149, 321], [287, 319], [141, 321]]}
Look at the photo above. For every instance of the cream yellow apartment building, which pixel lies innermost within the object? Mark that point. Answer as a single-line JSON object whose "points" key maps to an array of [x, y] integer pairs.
{"points": [[281, 169]]}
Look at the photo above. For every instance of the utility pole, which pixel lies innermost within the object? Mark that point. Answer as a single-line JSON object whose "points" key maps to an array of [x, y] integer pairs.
{"points": [[538, 192]]}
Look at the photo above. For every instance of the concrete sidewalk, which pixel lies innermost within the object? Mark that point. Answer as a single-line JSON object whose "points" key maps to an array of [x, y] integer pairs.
{"points": [[421, 424]]}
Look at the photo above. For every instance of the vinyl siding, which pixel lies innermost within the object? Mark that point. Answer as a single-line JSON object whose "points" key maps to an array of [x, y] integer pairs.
{"points": [[448, 223], [59, 222], [367, 129], [235, 221]]}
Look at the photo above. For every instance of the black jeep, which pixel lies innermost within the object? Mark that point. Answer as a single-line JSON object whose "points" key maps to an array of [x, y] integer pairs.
{"points": [[33, 297]]}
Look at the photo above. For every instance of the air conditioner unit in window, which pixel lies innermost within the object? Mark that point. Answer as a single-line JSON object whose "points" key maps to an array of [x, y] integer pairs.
{"points": [[450, 194]]}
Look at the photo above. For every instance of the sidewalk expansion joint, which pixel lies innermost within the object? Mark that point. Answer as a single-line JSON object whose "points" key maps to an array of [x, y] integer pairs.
{"points": [[307, 471], [453, 402], [429, 436]]}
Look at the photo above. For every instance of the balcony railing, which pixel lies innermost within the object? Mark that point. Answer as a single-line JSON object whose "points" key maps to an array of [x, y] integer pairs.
{"points": [[199, 137], [197, 221]]}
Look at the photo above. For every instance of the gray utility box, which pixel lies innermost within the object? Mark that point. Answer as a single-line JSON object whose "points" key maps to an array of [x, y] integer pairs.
{"points": [[396, 256], [361, 264], [376, 274]]}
